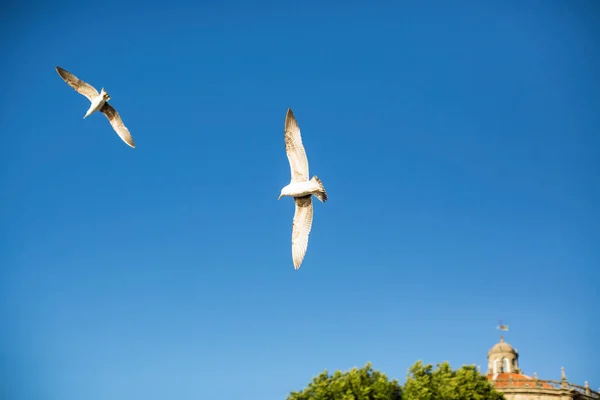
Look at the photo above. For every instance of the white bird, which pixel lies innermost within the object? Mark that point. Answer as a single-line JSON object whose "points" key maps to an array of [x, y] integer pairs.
{"points": [[300, 188], [99, 103]]}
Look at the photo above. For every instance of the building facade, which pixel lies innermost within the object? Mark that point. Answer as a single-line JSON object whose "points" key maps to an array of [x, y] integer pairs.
{"points": [[504, 372]]}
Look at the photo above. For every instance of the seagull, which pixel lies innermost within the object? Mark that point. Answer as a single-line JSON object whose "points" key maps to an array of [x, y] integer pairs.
{"points": [[300, 188], [99, 102], [502, 327]]}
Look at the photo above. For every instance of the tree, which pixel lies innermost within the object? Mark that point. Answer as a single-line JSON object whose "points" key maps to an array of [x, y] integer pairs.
{"points": [[356, 384], [443, 383]]}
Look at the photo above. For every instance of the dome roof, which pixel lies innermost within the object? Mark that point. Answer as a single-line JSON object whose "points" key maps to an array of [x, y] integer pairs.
{"points": [[502, 347]]}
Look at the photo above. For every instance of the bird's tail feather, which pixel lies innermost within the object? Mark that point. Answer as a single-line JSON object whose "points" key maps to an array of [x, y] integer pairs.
{"points": [[321, 194]]}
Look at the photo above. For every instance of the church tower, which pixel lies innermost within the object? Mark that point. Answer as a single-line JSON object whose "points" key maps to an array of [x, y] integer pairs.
{"points": [[502, 358], [506, 376]]}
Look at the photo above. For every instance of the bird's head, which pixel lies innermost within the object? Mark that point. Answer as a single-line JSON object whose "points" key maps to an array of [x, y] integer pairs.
{"points": [[284, 192], [105, 95]]}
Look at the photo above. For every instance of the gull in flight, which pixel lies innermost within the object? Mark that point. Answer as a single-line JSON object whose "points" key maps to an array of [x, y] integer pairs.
{"points": [[300, 188], [99, 102]]}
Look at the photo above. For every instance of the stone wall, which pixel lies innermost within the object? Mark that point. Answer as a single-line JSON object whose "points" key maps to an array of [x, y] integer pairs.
{"points": [[539, 389]]}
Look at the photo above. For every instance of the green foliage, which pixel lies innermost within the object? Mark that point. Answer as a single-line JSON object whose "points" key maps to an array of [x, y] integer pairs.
{"points": [[356, 384], [466, 383], [422, 383]]}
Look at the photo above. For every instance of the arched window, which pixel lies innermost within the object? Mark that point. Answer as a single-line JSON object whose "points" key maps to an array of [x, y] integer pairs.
{"points": [[495, 366], [506, 365]]}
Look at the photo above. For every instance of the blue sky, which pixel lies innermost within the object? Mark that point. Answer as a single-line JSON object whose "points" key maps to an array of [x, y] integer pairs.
{"points": [[458, 144]]}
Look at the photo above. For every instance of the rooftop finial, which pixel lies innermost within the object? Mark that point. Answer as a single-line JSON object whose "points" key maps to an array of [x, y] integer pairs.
{"points": [[501, 339], [563, 376]]}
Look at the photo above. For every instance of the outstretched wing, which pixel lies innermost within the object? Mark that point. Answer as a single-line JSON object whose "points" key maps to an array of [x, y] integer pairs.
{"points": [[294, 149], [115, 120], [301, 228], [80, 86]]}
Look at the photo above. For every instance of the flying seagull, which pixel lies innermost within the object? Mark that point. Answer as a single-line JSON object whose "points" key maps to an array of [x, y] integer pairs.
{"points": [[300, 188], [99, 102], [502, 327]]}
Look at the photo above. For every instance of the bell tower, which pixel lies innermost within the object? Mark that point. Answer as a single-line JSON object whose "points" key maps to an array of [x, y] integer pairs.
{"points": [[502, 358]]}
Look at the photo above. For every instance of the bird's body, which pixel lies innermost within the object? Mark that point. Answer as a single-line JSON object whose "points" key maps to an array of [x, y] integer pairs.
{"points": [[99, 102], [301, 188]]}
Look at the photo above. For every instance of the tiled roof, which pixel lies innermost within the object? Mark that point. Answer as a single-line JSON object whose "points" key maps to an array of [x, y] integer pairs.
{"points": [[518, 381]]}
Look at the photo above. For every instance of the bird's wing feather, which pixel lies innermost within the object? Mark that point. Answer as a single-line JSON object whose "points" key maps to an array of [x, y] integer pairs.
{"points": [[115, 120], [80, 86], [302, 224], [294, 149]]}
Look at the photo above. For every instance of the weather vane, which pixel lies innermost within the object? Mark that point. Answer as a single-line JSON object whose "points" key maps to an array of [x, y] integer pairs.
{"points": [[502, 327]]}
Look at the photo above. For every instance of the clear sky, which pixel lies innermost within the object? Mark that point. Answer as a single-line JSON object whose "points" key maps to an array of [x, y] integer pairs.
{"points": [[458, 143]]}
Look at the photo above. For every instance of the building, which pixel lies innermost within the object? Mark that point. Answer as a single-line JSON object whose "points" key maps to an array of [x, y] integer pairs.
{"points": [[503, 370]]}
